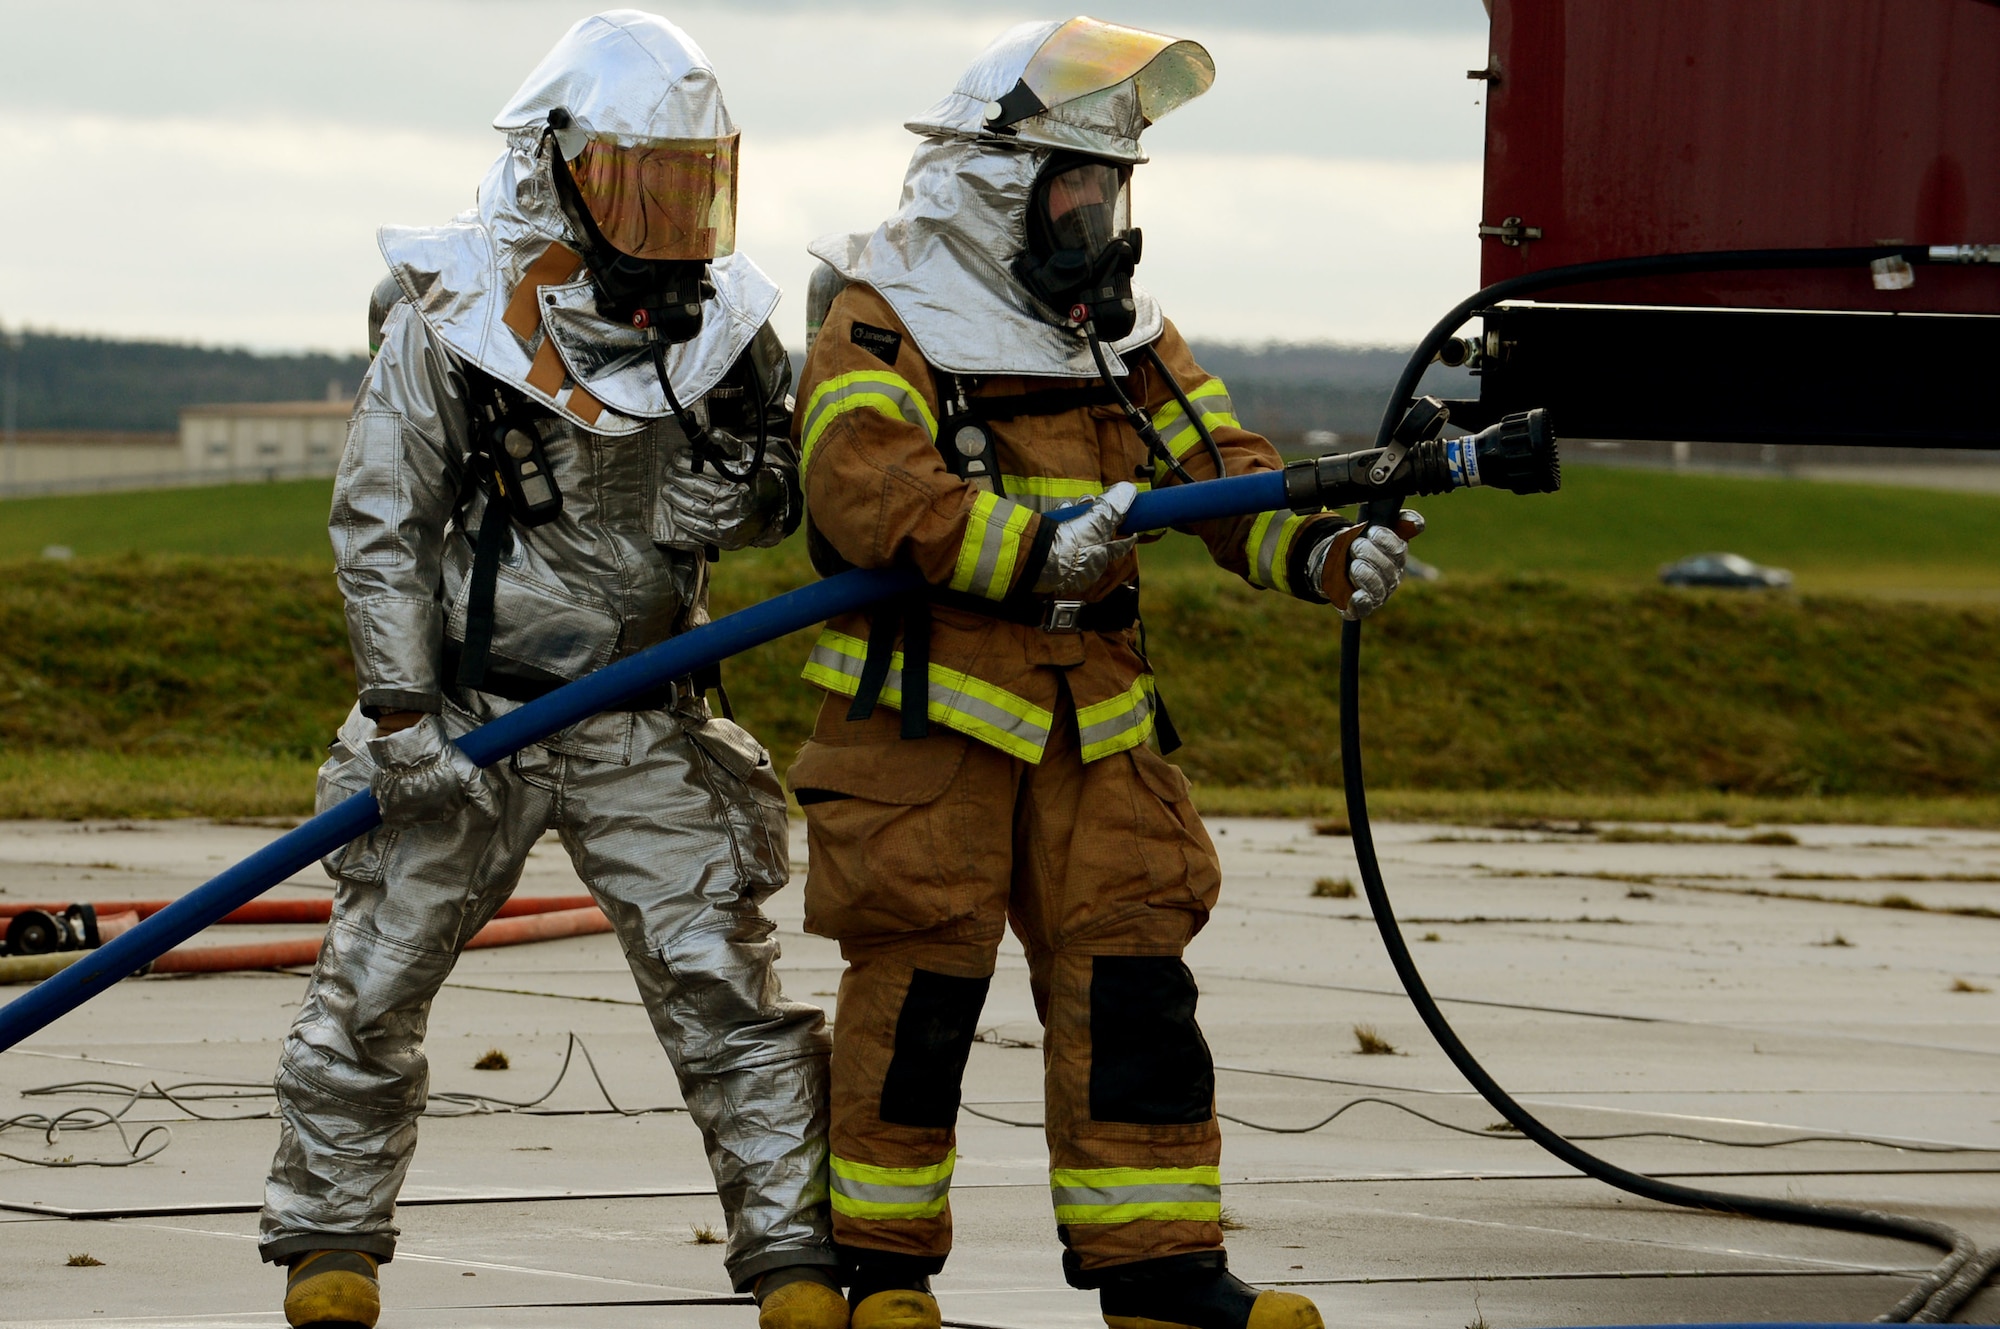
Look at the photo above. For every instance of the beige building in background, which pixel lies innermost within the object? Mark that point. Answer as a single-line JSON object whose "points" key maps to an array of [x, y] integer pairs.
{"points": [[222, 444], [260, 439], [40, 461]]}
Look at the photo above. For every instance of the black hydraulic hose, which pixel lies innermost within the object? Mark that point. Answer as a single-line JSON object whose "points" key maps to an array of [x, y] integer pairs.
{"points": [[1960, 1246], [1963, 1270]]}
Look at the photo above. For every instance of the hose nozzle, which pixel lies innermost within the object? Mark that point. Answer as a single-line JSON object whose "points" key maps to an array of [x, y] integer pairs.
{"points": [[1518, 454]]}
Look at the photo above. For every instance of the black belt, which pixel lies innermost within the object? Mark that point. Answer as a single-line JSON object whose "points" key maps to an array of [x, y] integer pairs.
{"points": [[523, 687], [1116, 612]]}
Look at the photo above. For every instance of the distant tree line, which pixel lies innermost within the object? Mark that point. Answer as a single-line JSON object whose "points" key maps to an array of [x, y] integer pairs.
{"points": [[71, 382]]}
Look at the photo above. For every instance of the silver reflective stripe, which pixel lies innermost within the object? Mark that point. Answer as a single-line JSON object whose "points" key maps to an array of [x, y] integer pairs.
{"points": [[1105, 1197], [1125, 721], [991, 547], [1269, 547]]}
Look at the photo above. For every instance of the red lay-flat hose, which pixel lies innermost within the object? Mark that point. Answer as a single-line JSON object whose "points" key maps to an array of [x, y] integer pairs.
{"points": [[288, 911], [305, 951]]}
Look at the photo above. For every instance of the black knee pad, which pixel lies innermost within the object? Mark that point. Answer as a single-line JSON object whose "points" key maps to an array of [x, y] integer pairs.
{"points": [[1148, 1061], [933, 1038]]}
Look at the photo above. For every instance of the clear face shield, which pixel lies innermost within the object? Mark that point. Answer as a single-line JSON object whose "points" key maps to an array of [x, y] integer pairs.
{"points": [[1082, 246], [1087, 206]]}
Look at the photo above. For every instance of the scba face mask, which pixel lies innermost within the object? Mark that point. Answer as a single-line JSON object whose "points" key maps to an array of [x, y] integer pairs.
{"points": [[650, 215], [1082, 247]]}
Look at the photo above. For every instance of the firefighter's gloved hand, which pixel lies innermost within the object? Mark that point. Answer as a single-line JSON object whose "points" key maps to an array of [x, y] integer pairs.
{"points": [[1361, 567], [421, 776], [1084, 547], [704, 509]]}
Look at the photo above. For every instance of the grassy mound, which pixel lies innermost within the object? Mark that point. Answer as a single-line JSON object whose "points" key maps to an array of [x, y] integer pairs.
{"points": [[211, 678]]}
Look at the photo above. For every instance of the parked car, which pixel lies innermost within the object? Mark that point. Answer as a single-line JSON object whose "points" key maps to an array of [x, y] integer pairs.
{"points": [[1729, 570]]}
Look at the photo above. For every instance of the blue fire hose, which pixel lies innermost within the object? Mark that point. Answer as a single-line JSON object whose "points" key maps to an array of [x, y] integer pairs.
{"points": [[131, 951]]}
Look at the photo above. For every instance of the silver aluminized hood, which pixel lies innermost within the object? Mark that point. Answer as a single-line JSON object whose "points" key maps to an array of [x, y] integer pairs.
{"points": [[622, 73], [942, 264]]}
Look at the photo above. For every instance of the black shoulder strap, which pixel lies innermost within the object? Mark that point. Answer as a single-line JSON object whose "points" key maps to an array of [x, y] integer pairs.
{"points": [[488, 401]]}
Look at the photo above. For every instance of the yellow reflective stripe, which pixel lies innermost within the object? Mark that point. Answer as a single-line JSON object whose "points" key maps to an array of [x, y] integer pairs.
{"points": [[1269, 550], [927, 1175], [862, 1190], [1211, 399], [1124, 721], [991, 546], [877, 390], [1101, 1177], [1045, 493], [972, 706], [1128, 1195]]}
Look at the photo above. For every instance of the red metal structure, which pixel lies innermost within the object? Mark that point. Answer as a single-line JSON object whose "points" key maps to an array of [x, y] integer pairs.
{"points": [[1626, 127]]}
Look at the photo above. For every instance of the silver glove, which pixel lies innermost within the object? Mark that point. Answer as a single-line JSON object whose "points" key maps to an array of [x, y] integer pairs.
{"points": [[1083, 547], [700, 510], [1375, 562], [421, 776]]}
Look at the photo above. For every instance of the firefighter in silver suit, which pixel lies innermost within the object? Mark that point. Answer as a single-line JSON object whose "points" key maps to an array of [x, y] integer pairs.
{"points": [[576, 402]]}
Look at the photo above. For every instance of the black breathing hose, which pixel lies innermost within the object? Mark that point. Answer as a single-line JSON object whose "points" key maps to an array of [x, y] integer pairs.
{"points": [[1187, 408], [1140, 424], [706, 453], [1961, 1273]]}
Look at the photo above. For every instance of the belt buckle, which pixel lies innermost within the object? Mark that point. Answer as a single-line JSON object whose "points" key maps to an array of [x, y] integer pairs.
{"points": [[1063, 616]]}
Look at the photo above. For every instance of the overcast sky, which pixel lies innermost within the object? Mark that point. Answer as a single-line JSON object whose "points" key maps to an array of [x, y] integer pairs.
{"points": [[214, 170]]}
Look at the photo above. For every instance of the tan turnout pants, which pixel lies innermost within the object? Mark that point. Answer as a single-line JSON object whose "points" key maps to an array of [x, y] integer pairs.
{"points": [[921, 851]]}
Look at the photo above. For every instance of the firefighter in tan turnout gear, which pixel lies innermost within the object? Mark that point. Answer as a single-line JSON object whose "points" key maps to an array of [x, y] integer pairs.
{"points": [[984, 755]]}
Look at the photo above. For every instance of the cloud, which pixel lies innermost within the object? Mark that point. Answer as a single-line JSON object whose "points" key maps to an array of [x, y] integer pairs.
{"points": [[259, 233], [263, 233]]}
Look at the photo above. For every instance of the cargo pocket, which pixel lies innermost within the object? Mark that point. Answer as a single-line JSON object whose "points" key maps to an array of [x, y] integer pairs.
{"points": [[1180, 858], [889, 852], [753, 802], [345, 773]]}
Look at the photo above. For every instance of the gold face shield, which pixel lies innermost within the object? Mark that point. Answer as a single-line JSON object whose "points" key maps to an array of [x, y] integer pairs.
{"points": [[1088, 56], [662, 198]]}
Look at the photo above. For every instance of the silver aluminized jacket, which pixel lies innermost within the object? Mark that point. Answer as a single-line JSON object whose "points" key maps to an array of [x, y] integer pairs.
{"points": [[673, 818], [617, 571]]}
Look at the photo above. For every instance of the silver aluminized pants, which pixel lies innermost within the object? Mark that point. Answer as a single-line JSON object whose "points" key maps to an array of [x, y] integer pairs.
{"points": [[676, 823]]}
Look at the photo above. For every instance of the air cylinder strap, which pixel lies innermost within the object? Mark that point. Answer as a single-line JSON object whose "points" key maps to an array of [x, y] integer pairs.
{"points": [[493, 524]]}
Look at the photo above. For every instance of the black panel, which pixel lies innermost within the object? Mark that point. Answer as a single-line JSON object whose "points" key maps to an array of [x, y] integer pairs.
{"points": [[933, 1038], [1744, 376], [1148, 1061]]}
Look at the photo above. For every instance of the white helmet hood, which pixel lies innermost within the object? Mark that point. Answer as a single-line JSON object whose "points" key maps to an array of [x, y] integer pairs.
{"points": [[623, 74]]}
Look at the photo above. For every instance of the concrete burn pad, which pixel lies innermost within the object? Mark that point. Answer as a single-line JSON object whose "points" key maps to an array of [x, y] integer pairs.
{"points": [[1648, 985]]}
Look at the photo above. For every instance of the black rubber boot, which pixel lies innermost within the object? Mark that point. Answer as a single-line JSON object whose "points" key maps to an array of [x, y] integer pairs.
{"points": [[888, 1291], [1214, 1299]]}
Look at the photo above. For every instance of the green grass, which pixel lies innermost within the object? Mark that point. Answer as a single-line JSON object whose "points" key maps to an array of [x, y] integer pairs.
{"points": [[1545, 677], [1607, 527], [286, 519]]}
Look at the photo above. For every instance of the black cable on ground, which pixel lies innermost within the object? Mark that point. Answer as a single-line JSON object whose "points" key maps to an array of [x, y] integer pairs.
{"points": [[1963, 1270], [188, 1093]]}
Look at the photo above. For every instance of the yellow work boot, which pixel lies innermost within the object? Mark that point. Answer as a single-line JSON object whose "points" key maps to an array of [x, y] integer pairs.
{"points": [[898, 1308], [1212, 1301], [332, 1290], [800, 1297]]}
